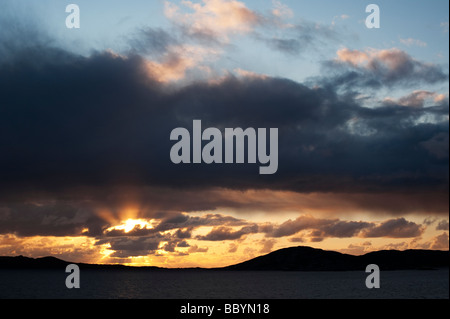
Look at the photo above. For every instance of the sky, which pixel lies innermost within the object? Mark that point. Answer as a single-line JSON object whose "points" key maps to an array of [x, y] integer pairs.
{"points": [[87, 114]]}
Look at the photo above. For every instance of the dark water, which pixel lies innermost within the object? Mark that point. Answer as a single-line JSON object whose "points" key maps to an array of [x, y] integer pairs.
{"points": [[189, 284]]}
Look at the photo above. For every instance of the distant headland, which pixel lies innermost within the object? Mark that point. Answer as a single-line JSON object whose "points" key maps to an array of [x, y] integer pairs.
{"points": [[300, 258]]}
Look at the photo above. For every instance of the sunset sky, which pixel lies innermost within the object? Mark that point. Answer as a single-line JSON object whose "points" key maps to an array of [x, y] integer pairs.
{"points": [[86, 116]]}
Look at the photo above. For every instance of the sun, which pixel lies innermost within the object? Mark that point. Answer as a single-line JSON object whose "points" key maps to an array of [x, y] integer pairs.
{"points": [[130, 224]]}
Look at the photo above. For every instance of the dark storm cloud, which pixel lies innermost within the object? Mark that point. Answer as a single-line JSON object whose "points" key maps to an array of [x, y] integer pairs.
{"points": [[136, 231], [50, 219], [131, 246], [292, 227], [395, 228], [174, 221], [320, 227], [71, 121], [324, 228], [344, 229], [227, 233], [442, 225]]}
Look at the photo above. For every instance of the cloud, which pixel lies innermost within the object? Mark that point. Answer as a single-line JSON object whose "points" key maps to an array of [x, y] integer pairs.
{"points": [[325, 228], [297, 38], [196, 249], [124, 247], [248, 74], [267, 245], [440, 242], [226, 233], [415, 99], [377, 68], [339, 17], [344, 229], [79, 249], [183, 244], [107, 120], [50, 219], [153, 41], [177, 60], [177, 221], [292, 227], [232, 248], [442, 225], [214, 22], [413, 42], [171, 234], [213, 19], [180, 233], [394, 228], [297, 240], [429, 221], [281, 10], [437, 146]]}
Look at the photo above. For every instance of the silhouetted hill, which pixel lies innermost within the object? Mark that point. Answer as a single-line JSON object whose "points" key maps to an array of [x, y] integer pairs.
{"points": [[408, 259], [311, 259], [287, 259], [21, 262], [300, 258]]}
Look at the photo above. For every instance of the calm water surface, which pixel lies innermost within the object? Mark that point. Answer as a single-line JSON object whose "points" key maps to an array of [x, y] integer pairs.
{"points": [[191, 284]]}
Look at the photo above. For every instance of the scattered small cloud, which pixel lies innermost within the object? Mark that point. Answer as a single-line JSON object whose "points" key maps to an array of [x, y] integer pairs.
{"points": [[281, 10], [339, 18], [442, 225], [413, 42], [233, 247], [196, 249], [267, 245]]}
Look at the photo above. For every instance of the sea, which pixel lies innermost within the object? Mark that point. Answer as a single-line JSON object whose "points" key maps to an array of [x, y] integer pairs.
{"points": [[207, 284]]}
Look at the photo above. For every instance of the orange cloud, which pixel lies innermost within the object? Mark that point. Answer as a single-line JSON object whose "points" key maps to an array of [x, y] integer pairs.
{"points": [[391, 59], [440, 242], [172, 69], [353, 57], [216, 18], [386, 67], [79, 249], [249, 74], [179, 60], [416, 99]]}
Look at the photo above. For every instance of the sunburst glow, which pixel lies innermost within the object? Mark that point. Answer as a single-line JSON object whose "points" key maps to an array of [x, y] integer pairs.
{"points": [[130, 224]]}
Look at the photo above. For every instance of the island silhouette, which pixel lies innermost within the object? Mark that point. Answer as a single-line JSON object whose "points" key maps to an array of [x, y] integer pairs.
{"points": [[300, 258]]}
